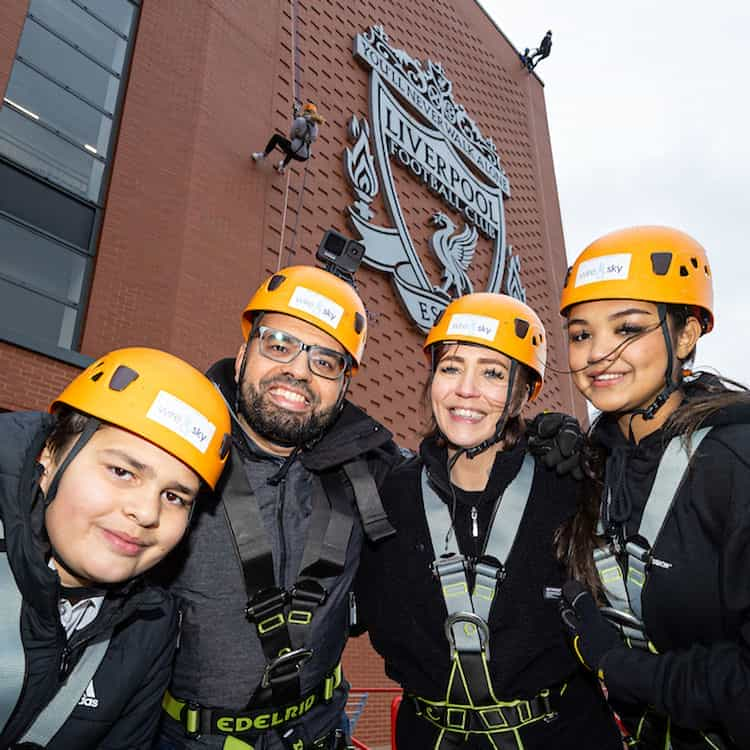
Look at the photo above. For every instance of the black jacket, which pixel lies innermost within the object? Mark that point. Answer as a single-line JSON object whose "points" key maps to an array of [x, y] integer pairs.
{"points": [[697, 613], [401, 604], [141, 620], [220, 661]]}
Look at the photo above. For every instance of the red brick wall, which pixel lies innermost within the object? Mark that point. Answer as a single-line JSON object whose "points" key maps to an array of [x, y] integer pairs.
{"points": [[12, 15], [192, 225], [28, 380]]}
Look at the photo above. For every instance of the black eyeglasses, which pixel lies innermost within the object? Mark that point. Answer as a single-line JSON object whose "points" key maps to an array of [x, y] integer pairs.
{"points": [[283, 347]]}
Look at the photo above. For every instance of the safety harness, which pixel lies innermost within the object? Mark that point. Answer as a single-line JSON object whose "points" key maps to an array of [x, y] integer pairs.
{"points": [[623, 570], [13, 661], [471, 707], [282, 617]]}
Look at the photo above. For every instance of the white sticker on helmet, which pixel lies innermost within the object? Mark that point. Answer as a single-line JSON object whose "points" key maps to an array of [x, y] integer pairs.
{"points": [[604, 268], [179, 417], [320, 307], [478, 326]]}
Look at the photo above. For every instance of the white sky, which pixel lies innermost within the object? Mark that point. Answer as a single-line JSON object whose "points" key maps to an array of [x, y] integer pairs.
{"points": [[648, 114]]}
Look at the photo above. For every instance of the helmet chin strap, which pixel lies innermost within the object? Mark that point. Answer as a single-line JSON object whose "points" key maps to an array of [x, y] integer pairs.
{"points": [[88, 432], [670, 385], [497, 435]]}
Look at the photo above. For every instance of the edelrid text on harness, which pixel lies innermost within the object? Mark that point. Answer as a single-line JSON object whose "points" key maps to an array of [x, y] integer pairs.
{"points": [[624, 572], [13, 664], [470, 706]]}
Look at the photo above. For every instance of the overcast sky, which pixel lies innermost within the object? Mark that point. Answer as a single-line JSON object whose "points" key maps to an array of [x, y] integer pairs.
{"points": [[648, 113]]}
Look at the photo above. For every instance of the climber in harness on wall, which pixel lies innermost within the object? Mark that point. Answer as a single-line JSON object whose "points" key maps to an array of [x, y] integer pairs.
{"points": [[666, 545], [453, 602], [303, 132], [266, 578], [92, 496]]}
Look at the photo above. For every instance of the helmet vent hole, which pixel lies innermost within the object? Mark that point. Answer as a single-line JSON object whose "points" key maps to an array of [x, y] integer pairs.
{"points": [[276, 281], [359, 323], [660, 263], [97, 375], [541, 338], [533, 340], [122, 377], [684, 271], [521, 327], [694, 261], [705, 268]]}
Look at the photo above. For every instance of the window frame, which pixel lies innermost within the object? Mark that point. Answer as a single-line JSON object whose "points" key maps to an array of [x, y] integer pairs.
{"points": [[28, 341]]}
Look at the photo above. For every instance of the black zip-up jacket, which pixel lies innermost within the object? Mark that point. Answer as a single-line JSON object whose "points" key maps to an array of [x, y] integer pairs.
{"points": [[141, 620], [697, 612], [401, 604], [220, 661]]}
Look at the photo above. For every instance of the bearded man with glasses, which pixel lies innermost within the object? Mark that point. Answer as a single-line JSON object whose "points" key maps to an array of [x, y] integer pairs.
{"points": [[265, 576]]}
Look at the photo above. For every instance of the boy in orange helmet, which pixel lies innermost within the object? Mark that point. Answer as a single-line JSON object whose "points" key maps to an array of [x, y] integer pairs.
{"points": [[92, 496]]}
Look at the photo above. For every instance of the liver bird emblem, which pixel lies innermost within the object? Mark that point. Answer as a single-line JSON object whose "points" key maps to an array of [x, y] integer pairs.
{"points": [[454, 251]]}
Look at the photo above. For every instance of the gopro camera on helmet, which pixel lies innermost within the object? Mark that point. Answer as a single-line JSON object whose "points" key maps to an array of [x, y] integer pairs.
{"points": [[341, 255]]}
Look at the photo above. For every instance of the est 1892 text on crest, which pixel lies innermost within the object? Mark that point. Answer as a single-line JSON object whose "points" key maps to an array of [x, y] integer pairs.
{"points": [[437, 149]]}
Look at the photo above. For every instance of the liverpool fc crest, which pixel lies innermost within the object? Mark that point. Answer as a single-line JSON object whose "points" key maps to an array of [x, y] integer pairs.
{"points": [[415, 122]]}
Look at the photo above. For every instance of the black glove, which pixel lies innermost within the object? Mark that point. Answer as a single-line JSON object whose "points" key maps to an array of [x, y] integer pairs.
{"points": [[557, 440], [591, 634]]}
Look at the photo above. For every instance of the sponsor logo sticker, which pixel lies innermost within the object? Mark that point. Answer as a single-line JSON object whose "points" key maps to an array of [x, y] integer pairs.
{"points": [[479, 326], [179, 417], [317, 305], [607, 268]]}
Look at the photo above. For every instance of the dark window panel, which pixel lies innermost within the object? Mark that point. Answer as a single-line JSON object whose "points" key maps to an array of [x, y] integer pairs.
{"points": [[117, 13], [26, 142], [59, 109], [82, 29], [45, 207], [28, 314], [32, 259], [64, 64]]}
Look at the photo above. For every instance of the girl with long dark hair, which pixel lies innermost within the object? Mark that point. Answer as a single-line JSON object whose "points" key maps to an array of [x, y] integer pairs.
{"points": [[663, 541]]}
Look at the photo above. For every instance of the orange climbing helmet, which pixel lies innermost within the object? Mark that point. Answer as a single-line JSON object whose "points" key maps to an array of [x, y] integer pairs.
{"points": [[160, 398], [317, 297], [311, 111], [651, 263], [497, 322]]}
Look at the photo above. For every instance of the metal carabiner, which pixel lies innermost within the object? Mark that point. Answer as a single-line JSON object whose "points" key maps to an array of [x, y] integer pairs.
{"points": [[472, 619], [299, 657]]}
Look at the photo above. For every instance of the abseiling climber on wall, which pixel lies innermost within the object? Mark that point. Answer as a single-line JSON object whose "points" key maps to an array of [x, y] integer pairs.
{"points": [[303, 132]]}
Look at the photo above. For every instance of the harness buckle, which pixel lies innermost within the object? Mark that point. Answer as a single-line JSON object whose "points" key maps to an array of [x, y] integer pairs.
{"points": [[490, 567], [469, 618], [296, 659], [309, 591], [266, 602], [618, 617], [448, 564], [639, 551], [549, 713], [190, 718]]}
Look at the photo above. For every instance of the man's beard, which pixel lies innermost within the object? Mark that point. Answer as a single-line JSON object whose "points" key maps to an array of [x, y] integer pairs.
{"points": [[279, 426]]}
